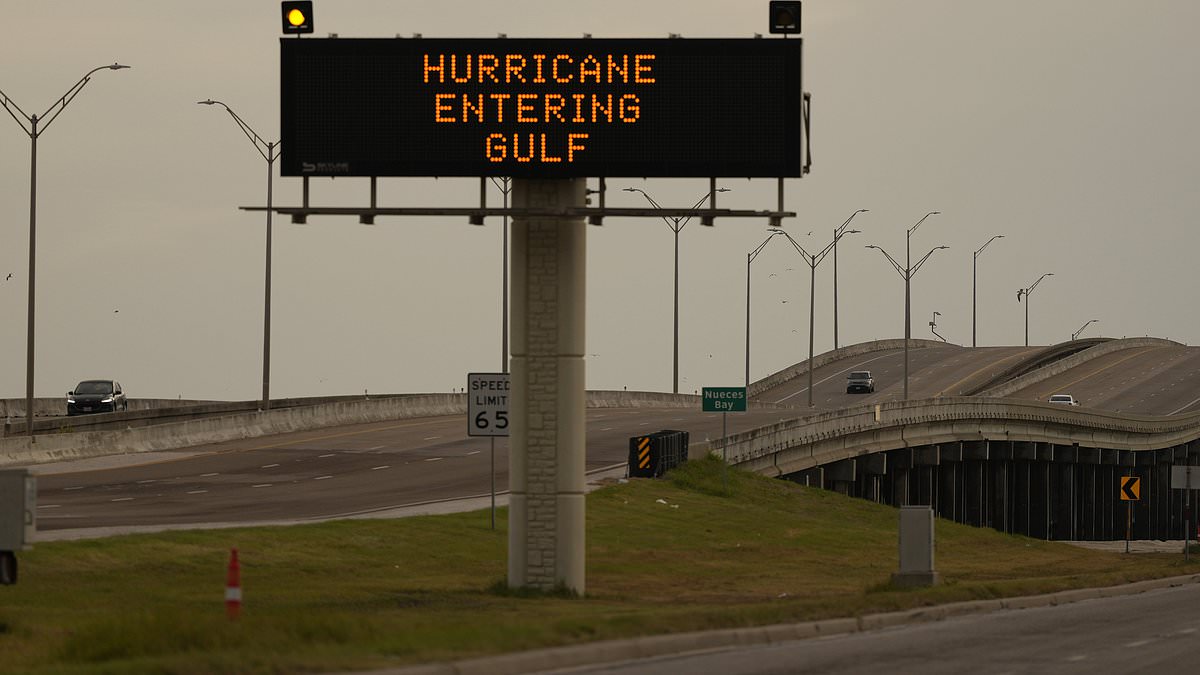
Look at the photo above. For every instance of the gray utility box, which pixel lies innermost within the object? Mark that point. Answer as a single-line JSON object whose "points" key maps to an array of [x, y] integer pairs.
{"points": [[18, 509]]}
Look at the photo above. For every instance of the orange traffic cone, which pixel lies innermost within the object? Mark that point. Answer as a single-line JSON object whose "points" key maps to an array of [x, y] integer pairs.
{"points": [[233, 587]]}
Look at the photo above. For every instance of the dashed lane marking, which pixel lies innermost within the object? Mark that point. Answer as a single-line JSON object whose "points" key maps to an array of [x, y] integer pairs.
{"points": [[261, 485], [433, 459], [329, 455], [196, 492], [269, 466], [380, 468], [323, 477], [431, 438], [209, 475], [49, 506], [473, 452], [73, 487], [123, 499]]}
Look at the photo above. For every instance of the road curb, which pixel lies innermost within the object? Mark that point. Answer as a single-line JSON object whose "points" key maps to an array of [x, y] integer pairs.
{"points": [[611, 651]]}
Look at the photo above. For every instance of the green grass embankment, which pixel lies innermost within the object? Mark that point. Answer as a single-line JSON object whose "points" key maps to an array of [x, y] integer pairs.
{"points": [[688, 553]]}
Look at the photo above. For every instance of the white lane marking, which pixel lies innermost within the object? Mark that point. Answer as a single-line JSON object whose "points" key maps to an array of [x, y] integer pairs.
{"points": [[432, 438], [377, 468], [473, 452], [143, 482], [123, 499], [323, 477], [854, 367], [1179, 410], [49, 506], [644, 424], [433, 459], [1077, 657], [1138, 643], [606, 429], [269, 466], [209, 475], [378, 447], [261, 485], [196, 492], [75, 487], [329, 455]]}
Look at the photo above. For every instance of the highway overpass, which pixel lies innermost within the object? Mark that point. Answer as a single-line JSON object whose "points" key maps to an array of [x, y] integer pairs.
{"points": [[974, 441]]}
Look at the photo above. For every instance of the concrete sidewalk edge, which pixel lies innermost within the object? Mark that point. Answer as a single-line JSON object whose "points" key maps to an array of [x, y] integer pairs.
{"points": [[611, 651]]}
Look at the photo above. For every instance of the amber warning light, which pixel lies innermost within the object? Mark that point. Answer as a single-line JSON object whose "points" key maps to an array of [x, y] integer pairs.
{"points": [[541, 108], [297, 17]]}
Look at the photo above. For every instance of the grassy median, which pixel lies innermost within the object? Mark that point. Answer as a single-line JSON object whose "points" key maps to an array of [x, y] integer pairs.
{"points": [[692, 552]]}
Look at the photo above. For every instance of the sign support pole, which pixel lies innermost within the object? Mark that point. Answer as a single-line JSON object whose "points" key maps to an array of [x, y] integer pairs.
{"points": [[724, 451], [547, 451], [493, 482], [1128, 523]]}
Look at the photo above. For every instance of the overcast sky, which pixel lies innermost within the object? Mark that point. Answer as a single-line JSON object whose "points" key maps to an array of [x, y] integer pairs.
{"points": [[1067, 126]]}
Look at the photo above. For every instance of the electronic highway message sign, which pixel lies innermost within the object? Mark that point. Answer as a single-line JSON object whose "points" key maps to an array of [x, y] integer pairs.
{"points": [[541, 108]]}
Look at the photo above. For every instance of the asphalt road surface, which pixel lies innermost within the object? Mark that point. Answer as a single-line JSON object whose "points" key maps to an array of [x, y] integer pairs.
{"points": [[1154, 632], [360, 469]]}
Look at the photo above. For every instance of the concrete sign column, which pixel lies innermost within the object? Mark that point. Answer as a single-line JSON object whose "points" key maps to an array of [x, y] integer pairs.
{"points": [[546, 463]]}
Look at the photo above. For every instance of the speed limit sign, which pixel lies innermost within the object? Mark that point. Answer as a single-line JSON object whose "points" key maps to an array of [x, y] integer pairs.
{"points": [[487, 404]]}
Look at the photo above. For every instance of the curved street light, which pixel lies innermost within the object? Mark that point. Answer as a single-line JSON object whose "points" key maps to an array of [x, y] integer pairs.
{"points": [[1075, 335], [974, 260], [837, 234], [749, 259], [933, 326], [32, 130], [270, 152], [677, 223], [907, 273], [813, 260], [1025, 292]]}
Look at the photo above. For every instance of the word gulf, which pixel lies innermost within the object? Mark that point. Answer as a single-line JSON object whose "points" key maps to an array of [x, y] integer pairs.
{"points": [[523, 107]]}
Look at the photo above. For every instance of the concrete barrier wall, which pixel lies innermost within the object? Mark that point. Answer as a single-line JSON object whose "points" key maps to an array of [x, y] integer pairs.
{"points": [[52, 447], [799, 444], [1063, 365], [819, 360]]}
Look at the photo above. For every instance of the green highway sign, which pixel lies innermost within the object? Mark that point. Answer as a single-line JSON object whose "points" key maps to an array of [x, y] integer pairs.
{"points": [[724, 399]]}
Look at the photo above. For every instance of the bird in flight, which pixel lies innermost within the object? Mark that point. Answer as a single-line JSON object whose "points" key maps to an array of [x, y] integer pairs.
{"points": [[8, 277]]}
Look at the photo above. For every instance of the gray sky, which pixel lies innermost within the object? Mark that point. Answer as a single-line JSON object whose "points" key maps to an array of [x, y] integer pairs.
{"points": [[1067, 126]]}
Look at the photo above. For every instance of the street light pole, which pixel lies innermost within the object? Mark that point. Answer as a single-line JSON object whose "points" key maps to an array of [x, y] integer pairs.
{"points": [[505, 189], [34, 121], [270, 152], [907, 272], [813, 260], [1025, 292], [837, 234], [676, 224], [1077, 333], [974, 260], [749, 259]]}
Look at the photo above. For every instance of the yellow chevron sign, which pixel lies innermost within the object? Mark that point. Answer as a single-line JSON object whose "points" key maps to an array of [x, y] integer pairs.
{"points": [[644, 452], [1131, 488]]}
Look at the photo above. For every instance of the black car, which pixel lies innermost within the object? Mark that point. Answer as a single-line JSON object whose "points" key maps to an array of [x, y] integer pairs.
{"points": [[96, 396]]}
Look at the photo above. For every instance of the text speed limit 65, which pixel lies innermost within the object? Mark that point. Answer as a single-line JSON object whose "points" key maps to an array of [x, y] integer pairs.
{"points": [[489, 422], [487, 404]]}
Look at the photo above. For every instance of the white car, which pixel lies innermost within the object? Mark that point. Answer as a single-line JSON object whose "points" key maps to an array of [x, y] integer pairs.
{"points": [[1064, 399]]}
